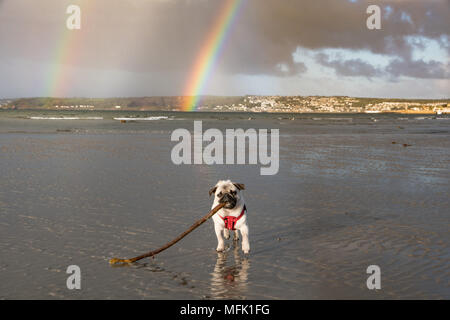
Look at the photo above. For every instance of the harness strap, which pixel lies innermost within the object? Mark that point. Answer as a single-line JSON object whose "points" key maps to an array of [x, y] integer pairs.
{"points": [[230, 221]]}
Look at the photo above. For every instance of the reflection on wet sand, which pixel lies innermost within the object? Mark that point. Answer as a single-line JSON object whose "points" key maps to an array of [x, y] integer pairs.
{"points": [[229, 279]]}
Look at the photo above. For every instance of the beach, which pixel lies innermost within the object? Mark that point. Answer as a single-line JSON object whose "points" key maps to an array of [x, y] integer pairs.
{"points": [[352, 190]]}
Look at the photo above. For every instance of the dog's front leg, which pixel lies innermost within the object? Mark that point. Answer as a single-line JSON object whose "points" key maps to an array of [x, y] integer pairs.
{"points": [[236, 235], [220, 241], [245, 242]]}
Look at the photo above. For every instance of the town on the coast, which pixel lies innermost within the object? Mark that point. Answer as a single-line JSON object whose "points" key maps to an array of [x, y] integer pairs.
{"points": [[248, 103]]}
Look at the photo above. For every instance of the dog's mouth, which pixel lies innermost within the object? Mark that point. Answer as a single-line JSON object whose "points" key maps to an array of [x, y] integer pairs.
{"points": [[229, 200]]}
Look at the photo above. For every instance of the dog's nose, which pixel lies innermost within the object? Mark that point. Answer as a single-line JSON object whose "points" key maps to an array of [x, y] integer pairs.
{"points": [[226, 198]]}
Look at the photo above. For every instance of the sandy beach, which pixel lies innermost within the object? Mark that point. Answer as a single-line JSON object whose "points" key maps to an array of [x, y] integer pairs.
{"points": [[348, 194]]}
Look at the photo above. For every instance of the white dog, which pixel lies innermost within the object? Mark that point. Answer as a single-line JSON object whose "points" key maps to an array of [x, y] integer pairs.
{"points": [[232, 216]]}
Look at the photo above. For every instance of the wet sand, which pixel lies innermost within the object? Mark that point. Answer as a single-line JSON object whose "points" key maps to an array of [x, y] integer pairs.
{"points": [[83, 191]]}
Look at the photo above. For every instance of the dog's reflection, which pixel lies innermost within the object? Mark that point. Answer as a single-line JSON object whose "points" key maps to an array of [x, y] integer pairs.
{"points": [[229, 280]]}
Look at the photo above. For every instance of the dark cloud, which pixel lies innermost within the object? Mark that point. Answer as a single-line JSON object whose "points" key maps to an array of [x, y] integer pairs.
{"points": [[419, 69], [166, 35], [273, 31], [398, 67], [351, 67]]}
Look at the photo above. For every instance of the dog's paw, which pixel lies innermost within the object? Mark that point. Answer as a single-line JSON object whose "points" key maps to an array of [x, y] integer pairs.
{"points": [[220, 248]]}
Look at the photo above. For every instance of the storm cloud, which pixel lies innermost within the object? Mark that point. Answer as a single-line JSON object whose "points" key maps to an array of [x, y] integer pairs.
{"points": [[419, 69], [351, 67], [165, 36]]}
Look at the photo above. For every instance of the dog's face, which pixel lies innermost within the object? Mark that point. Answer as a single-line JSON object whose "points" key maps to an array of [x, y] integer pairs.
{"points": [[227, 192]]}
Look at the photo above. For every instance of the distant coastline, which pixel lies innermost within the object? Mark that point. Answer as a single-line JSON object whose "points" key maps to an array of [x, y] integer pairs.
{"points": [[249, 103]]}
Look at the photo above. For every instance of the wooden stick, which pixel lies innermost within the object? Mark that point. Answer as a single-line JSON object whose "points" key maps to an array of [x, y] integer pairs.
{"points": [[171, 243]]}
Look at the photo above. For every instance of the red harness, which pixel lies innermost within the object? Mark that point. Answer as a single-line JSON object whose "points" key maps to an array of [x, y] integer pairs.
{"points": [[230, 221]]}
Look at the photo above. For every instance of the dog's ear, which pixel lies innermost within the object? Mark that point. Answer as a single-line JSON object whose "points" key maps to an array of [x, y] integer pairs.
{"points": [[240, 186], [212, 190]]}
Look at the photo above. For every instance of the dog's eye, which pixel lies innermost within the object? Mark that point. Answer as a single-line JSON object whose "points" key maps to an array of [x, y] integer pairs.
{"points": [[219, 194]]}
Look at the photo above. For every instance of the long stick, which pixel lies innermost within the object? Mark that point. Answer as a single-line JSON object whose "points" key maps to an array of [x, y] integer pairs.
{"points": [[171, 243]]}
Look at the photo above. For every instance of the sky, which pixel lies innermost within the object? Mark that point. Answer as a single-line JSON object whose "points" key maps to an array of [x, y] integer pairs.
{"points": [[271, 47]]}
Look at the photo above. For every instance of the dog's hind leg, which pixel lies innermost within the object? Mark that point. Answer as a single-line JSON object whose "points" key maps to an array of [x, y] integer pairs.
{"points": [[226, 233]]}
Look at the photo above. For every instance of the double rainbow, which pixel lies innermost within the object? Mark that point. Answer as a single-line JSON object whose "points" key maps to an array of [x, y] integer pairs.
{"points": [[210, 52], [58, 81]]}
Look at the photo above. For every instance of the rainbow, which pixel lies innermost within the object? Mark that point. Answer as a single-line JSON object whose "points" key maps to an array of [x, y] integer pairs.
{"points": [[209, 53], [66, 54]]}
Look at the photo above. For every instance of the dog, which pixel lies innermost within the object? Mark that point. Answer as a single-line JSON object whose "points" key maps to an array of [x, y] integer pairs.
{"points": [[232, 217]]}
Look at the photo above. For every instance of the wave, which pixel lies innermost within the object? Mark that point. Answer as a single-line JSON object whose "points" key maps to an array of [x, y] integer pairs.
{"points": [[142, 119], [66, 118], [423, 118], [332, 119]]}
